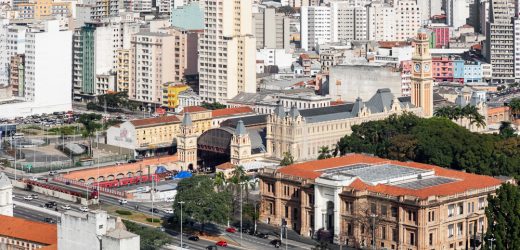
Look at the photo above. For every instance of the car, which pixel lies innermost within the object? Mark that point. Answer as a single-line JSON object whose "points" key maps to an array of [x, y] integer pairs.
{"points": [[231, 230], [35, 196], [28, 198], [154, 210], [34, 178], [221, 243], [168, 211], [53, 173], [84, 209], [262, 235], [276, 243], [53, 203], [132, 161], [49, 220], [66, 207], [211, 247], [193, 238], [122, 201]]}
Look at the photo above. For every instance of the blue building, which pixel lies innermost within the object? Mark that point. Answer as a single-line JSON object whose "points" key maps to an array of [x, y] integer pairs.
{"points": [[188, 17], [458, 70], [472, 71]]}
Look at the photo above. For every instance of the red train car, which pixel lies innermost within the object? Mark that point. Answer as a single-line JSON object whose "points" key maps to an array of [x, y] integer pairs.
{"points": [[126, 181]]}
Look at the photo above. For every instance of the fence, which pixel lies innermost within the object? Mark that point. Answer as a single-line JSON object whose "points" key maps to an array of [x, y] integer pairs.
{"points": [[89, 187]]}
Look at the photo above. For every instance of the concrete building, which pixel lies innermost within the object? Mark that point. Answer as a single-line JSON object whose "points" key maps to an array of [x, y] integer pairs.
{"points": [[500, 39], [457, 12], [272, 30], [97, 230], [348, 22], [408, 19], [300, 3], [272, 57], [227, 50], [40, 9], [381, 22], [17, 233], [429, 8], [369, 202], [17, 75], [6, 196], [152, 64], [316, 26], [348, 82], [123, 70], [304, 132], [189, 17]]}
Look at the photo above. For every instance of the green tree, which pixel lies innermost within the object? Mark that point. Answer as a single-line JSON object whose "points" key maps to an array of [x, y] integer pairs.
{"points": [[213, 106], [287, 159], [90, 124], [151, 238], [240, 180], [286, 10], [503, 216], [324, 153], [220, 181], [201, 202], [514, 106], [506, 130]]}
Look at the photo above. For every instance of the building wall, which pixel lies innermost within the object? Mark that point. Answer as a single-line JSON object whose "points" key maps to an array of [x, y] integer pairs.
{"points": [[271, 29], [315, 26], [442, 69]]}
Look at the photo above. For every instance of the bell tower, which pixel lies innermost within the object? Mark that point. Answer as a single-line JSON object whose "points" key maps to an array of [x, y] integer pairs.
{"points": [[187, 144], [422, 81], [240, 145]]}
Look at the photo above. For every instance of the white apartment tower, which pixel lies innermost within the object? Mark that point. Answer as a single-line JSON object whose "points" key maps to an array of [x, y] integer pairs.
{"points": [[349, 21], [316, 26], [227, 50], [408, 19], [500, 39], [380, 22]]}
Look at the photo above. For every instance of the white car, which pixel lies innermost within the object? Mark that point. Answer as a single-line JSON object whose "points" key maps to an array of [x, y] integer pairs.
{"points": [[66, 207], [84, 209], [123, 201], [28, 198], [168, 211]]}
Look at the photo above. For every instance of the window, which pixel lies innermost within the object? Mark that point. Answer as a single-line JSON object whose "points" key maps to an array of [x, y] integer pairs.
{"points": [[451, 210], [271, 210], [383, 232], [349, 229], [348, 207], [394, 211], [459, 229], [431, 216], [295, 213], [395, 234], [286, 212], [430, 239], [373, 208], [411, 240], [481, 201], [384, 210], [311, 198], [450, 230], [461, 208]]}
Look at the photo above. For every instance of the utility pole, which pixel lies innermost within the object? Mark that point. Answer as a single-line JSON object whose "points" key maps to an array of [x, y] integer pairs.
{"points": [[181, 202], [373, 217]]}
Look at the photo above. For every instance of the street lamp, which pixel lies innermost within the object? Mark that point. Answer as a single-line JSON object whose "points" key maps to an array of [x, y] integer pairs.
{"points": [[181, 202], [373, 217], [491, 240]]}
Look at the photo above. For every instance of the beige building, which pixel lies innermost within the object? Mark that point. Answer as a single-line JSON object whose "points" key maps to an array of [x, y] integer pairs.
{"points": [[227, 50], [44, 8], [408, 19], [185, 54], [152, 65], [403, 205], [271, 29], [304, 132], [123, 70]]}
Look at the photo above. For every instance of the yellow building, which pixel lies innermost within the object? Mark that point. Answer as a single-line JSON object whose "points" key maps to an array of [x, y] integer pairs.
{"points": [[123, 70], [172, 90]]}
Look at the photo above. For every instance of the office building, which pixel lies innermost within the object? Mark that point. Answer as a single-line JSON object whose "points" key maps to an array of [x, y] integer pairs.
{"points": [[348, 22], [368, 202], [381, 22], [227, 50], [271, 29], [316, 26], [408, 19]]}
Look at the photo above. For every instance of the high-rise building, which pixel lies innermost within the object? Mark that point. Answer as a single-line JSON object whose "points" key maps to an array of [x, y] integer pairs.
{"points": [[316, 26], [151, 62], [422, 81], [44, 8], [408, 19], [348, 21], [123, 70], [500, 39], [271, 29], [429, 8], [227, 54], [457, 12], [380, 22]]}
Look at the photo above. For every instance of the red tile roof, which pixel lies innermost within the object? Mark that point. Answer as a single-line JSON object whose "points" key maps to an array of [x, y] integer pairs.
{"points": [[231, 111], [467, 181], [226, 166], [155, 121], [336, 103], [39, 232], [194, 109], [305, 56], [391, 44]]}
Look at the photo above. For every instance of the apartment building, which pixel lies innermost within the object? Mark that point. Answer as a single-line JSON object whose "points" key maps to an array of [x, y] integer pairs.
{"points": [[123, 70], [500, 39], [227, 50], [365, 201], [408, 19], [348, 21], [316, 26], [381, 22], [152, 64], [44, 8], [271, 29], [17, 74], [300, 3]]}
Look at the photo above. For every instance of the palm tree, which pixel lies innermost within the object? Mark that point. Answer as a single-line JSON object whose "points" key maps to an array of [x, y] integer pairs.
{"points": [[90, 125], [324, 153], [238, 179], [514, 106]]}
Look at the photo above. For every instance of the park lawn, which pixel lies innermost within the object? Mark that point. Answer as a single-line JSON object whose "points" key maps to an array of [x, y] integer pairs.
{"points": [[135, 216]]}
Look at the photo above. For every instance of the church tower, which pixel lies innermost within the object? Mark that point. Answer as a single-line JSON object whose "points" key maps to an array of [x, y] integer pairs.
{"points": [[422, 81], [240, 145], [187, 144], [6, 196]]}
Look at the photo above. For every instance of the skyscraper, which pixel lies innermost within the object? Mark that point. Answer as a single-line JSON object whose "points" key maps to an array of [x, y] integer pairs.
{"points": [[500, 39], [422, 81], [227, 50]]}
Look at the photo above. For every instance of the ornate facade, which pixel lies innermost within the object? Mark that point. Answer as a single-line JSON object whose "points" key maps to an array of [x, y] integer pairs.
{"points": [[422, 81], [303, 132], [187, 144]]}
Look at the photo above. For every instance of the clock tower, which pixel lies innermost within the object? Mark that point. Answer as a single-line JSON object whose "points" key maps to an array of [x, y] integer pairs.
{"points": [[422, 81], [187, 144]]}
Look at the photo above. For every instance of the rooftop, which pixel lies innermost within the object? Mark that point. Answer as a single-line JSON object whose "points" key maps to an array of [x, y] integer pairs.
{"points": [[231, 111], [391, 177], [155, 121], [43, 233]]}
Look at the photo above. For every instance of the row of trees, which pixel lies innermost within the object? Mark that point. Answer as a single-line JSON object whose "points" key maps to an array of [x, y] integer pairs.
{"points": [[458, 113], [436, 141]]}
